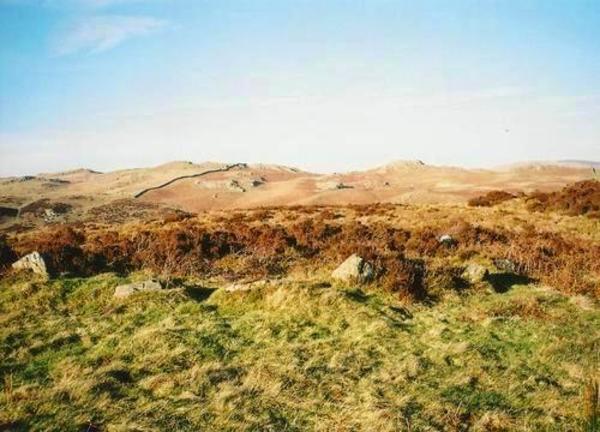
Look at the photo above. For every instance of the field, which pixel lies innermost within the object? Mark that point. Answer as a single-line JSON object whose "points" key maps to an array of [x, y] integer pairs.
{"points": [[418, 348]]}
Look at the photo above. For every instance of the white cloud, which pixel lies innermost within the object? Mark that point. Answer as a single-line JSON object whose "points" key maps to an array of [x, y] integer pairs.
{"points": [[100, 33], [69, 3]]}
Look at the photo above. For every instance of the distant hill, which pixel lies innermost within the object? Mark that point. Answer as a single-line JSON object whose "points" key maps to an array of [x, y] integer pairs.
{"points": [[565, 163], [581, 163], [202, 186]]}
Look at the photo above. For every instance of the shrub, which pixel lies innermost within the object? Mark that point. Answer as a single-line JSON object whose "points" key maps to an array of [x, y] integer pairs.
{"points": [[491, 199], [38, 207], [581, 198], [228, 245], [61, 248], [7, 255], [405, 277]]}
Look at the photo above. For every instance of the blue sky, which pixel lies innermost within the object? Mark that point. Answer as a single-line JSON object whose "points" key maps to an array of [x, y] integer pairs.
{"points": [[320, 84]]}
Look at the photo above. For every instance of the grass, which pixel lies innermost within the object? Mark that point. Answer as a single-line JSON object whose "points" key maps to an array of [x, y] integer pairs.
{"points": [[418, 349], [295, 354]]}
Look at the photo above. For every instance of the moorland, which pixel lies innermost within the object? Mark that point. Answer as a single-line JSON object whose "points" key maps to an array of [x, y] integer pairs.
{"points": [[480, 312]]}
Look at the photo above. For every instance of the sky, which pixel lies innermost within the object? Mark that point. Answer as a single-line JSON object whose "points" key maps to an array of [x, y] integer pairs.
{"points": [[324, 85]]}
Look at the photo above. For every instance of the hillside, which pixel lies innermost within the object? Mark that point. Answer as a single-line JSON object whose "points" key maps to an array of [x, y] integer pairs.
{"points": [[131, 314], [208, 186]]}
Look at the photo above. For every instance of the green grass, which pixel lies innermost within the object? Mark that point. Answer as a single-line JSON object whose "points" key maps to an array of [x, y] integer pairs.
{"points": [[290, 356]]}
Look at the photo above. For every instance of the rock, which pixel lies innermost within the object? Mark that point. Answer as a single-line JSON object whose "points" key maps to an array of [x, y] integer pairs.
{"points": [[354, 269], [50, 215], [475, 273], [333, 185], [506, 265], [235, 186], [126, 290], [33, 262], [447, 240], [257, 182]]}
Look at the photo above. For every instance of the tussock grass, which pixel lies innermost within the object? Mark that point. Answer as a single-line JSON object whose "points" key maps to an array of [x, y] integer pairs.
{"points": [[294, 354]]}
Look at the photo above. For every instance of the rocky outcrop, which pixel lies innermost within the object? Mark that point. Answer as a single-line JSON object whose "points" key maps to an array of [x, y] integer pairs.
{"points": [[126, 290], [354, 269], [333, 185], [33, 262], [50, 215], [235, 186]]}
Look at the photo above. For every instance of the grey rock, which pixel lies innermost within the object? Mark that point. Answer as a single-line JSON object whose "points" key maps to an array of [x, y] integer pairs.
{"points": [[447, 240], [354, 269], [126, 290], [33, 262], [475, 273]]}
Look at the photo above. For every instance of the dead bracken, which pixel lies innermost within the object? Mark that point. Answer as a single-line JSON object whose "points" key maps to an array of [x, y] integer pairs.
{"points": [[279, 241]]}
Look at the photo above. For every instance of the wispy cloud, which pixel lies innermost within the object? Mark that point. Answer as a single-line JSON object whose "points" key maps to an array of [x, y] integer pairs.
{"points": [[69, 3], [100, 33]]}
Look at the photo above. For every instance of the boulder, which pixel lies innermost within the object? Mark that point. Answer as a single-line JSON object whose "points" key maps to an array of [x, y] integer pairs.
{"points": [[354, 269], [447, 240], [126, 290], [33, 262], [475, 273]]}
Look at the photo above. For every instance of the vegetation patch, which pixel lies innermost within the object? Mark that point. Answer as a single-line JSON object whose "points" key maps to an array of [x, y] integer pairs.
{"points": [[297, 355], [491, 199], [406, 253], [581, 198]]}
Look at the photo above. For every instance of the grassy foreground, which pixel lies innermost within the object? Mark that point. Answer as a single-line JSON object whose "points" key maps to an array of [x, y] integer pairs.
{"points": [[292, 355]]}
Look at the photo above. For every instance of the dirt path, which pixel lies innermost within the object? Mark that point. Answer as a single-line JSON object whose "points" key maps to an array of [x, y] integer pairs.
{"points": [[227, 168]]}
